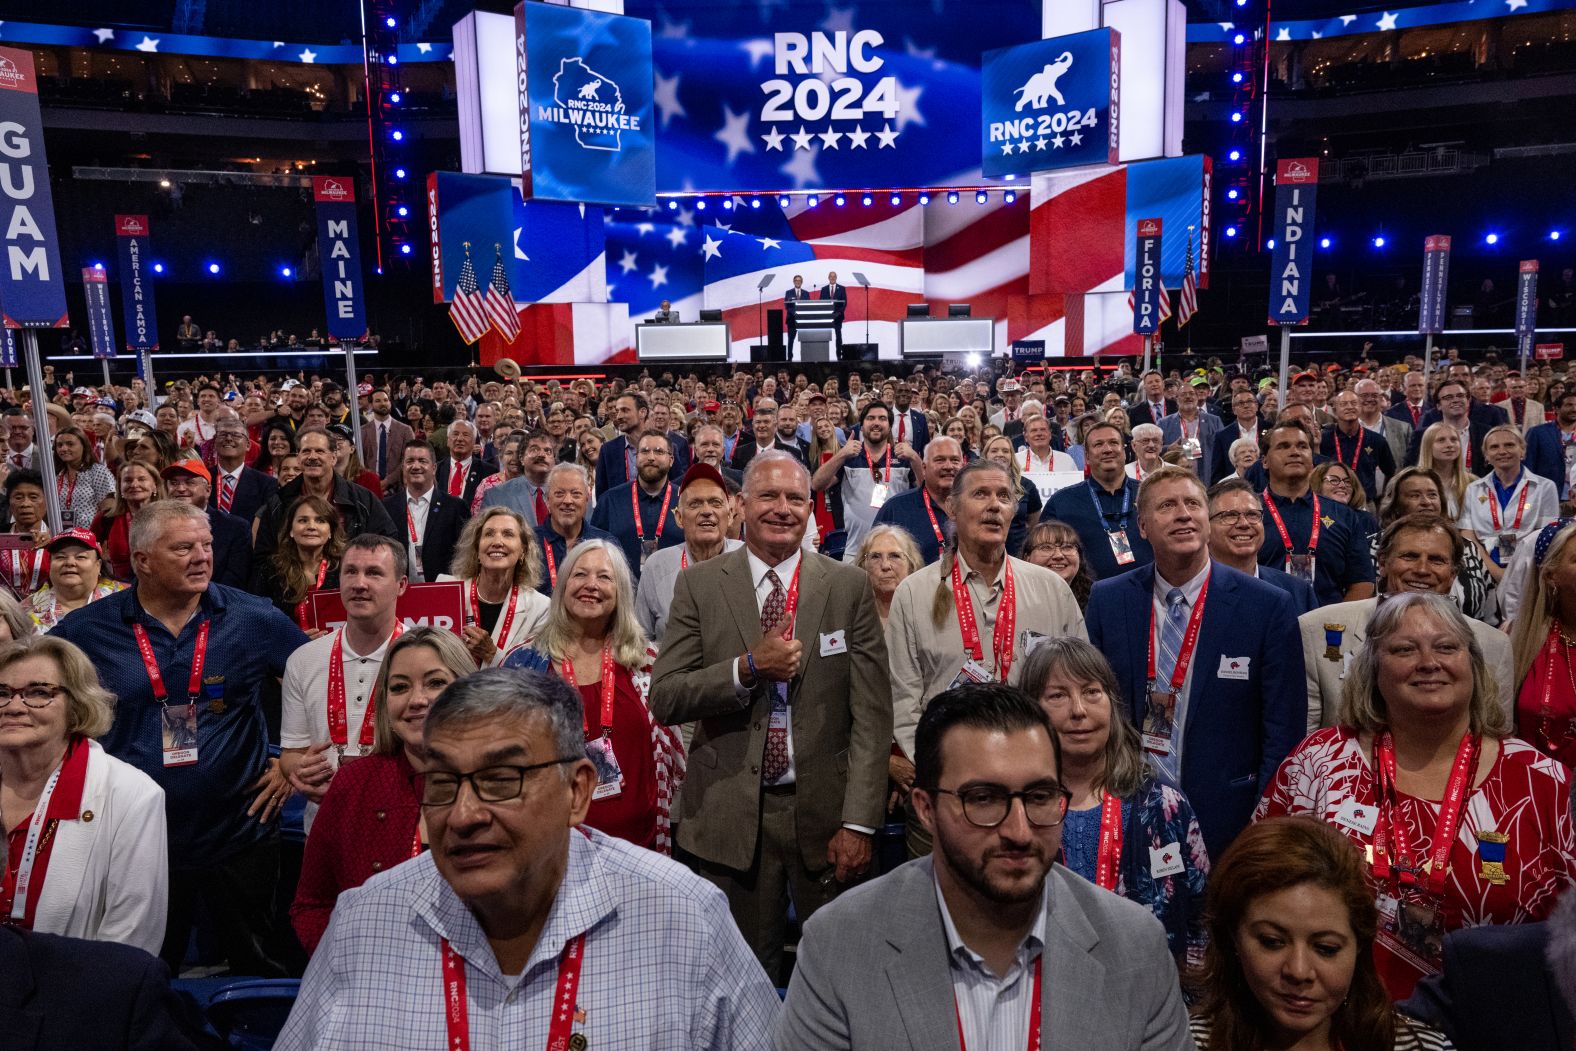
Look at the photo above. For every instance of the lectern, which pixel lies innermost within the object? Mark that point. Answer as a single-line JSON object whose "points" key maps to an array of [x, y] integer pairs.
{"points": [[813, 320]]}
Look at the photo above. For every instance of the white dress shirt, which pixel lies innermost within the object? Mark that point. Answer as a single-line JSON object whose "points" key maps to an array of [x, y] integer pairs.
{"points": [[763, 588], [1168, 768], [419, 507], [994, 1010]]}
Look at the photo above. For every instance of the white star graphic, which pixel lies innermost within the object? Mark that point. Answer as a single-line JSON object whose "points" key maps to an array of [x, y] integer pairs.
{"points": [[104, 35], [801, 138], [1284, 34], [658, 275], [1227, 26], [830, 137], [712, 249], [279, 43], [148, 44], [1387, 21], [838, 18], [1347, 20], [1318, 35], [801, 169], [308, 55], [686, 217], [666, 97], [1514, 4], [644, 228], [758, 49], [857, 137], [913, 51], [519, 253], [1057, 141], [726, 228], [773, 139], [1039, 144], [1023, 147], [424, 47], [735, 133], [887, 136], [1075, 138], [628, 262], [673, 30], [908, 106], [767, 242], [677, 236]]}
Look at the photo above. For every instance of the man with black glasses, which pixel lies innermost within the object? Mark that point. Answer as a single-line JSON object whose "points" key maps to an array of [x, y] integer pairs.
{"points": [[516, 910]]}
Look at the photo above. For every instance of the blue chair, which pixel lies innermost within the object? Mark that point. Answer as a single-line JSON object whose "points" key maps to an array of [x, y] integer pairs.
{"points": [[248, 1014]]}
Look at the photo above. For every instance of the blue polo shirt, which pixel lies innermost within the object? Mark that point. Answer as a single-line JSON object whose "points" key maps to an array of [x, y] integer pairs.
{"points": [[549, 539], [614, 515], [1094, 513], [248, 642], [1342, 558], [907, 510]]}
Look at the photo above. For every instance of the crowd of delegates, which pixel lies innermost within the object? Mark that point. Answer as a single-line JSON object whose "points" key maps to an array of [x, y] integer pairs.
{"points": [[1212, 714]]}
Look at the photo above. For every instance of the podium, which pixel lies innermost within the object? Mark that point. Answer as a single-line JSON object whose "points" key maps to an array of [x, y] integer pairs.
{"points": [[813, 320]]}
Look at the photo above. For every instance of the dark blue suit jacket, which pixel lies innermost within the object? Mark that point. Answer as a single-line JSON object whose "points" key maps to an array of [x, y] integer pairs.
{"points": [[611, 462], [839, 299], [918, 430], [69, 993], [1074, 507], [1496, 991], [1237, 731], [1546, 454], [232, 548], [1481, 418], [252, 491], [1302, 597]]}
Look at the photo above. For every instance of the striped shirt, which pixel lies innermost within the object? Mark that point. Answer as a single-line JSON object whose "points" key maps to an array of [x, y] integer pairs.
{"points": [[993, 1011]]}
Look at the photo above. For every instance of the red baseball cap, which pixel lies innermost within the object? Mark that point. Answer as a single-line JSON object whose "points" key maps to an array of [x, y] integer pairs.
{"points": [[195, 468], [703, 472], [74, 535]]}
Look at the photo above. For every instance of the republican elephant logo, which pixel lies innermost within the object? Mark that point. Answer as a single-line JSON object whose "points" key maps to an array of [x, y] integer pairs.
{"points": [[1042, 86]]}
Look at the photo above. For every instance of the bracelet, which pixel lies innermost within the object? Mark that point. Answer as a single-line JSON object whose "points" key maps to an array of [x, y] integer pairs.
{"points": [[749, 659]]}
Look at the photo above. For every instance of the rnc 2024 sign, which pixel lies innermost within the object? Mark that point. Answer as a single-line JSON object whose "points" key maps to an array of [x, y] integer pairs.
{"points": [[584, 83], [1051, 104]]}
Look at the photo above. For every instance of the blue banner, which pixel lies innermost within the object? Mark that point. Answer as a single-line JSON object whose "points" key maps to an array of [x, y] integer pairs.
{"points": [[8, 358], [32, 286], [1146, 286], [339, 255], [1291, 261], [1435, 286], [778, 96], [586, 113], [1375, 20], [1028, 351], [101, 330], [135, 239], [1526, 308], [1050, 104]]}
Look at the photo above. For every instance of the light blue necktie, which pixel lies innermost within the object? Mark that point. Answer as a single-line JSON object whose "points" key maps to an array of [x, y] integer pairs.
{"points": [[1171, 632]]}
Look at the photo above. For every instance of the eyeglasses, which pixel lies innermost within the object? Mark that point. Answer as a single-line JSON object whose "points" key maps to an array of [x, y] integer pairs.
{"points": [[1234, 517], [492, 784], [34, 694], [986, 806], [1054, 545], [1337, 482]]}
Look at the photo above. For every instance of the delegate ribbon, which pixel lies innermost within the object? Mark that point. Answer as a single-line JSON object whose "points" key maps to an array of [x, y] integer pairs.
{"points": [[1108, 863]]}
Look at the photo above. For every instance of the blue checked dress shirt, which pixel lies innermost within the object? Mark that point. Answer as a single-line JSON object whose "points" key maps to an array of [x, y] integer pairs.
{"points": [[664, 965]]}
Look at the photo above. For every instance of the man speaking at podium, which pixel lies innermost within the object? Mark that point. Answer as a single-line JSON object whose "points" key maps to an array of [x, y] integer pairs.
{"points": [[838, 294], [797, 292]]}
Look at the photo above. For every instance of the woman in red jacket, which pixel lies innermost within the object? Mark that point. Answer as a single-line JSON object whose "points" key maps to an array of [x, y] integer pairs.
{"points": [[370, 819]]}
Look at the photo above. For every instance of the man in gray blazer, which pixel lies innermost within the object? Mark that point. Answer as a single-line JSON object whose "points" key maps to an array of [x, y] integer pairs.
{"points": [[1195, 430], [985, 937], [778, 654]]}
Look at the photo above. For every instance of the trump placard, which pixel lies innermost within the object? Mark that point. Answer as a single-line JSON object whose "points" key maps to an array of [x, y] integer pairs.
{"points": [[1051, 104], [439, 605]]}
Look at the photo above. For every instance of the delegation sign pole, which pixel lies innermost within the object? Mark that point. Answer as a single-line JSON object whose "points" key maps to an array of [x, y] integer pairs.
{"points": [[40, 400]]}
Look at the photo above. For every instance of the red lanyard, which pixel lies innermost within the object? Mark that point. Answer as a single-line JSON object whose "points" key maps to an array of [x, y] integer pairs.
{"points": [[872, 464], [156, 680], [1189, 641], [501, 636], [1466, 448], [1006, 618], [305, 604], [1390, 824], [1356, 452], [1108, 863], [1521, 507], [1034, 1012], [607, 688], [35, 567], [410, 520], [552, 564], [455, 1003], [1280, 524], [70, 485], [662, 516], [929, 510], [338, 730]]}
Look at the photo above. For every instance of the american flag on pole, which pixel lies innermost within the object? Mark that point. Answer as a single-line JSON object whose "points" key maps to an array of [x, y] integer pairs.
{"points": [[499, 303], [1187, 303], [468, 311]]}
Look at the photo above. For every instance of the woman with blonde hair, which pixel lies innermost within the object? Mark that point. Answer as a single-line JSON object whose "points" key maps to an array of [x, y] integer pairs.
{"points": [[1440, 451], [1541, 643], [370, 819], [593, 639], [498, 561]]}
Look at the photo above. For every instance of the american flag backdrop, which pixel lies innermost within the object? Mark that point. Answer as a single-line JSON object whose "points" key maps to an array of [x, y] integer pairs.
{"points": [[468, 311], [1187, 303], [500, 303]]}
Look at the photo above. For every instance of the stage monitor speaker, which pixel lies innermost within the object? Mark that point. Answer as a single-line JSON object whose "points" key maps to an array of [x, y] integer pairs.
{"points": [[860, 352], [711, 315], [919, 310], [774, 328], [766, 352], [958, 310]]}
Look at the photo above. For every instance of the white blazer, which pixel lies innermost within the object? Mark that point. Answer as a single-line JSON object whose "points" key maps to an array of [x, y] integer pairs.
{"points": [[530, 613], [108, 878]]}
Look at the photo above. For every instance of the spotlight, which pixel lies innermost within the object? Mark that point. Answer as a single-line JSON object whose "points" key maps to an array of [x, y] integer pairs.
{"points": [[158, 268], [867, 200], [727, 204], [164, 184], [1231, 195], [972, 360], [1379, 242], [1231, 231], [1239, 39], [1270, 244], [784, 201], [673, 206], [394, 97], [755, 202], [1236, 78], [924, 198], [402, 211], [812, 200], [397, 135], [399, 173], [1242, 3], [390, 21], [981, 197], [1554, 235], [700, 204], [404, 249], [213, 268], [1324, 242], [1009, 176], [392, 60], [952, 197], [1236, 118], [98, 266], [839, 200], [1234, 155], [1009, 197], [897, 199], [285, 271], [1492, 239]]}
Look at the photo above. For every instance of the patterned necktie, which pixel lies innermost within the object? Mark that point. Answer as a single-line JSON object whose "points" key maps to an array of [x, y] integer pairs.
{"points": [[1171, 631], [775, 764], [226, 492]]}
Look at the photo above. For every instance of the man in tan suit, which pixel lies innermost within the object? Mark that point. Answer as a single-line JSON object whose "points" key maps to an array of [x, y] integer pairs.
{"points": [[384, 436], [787, 772], [1421, 552], [1524, 412]]}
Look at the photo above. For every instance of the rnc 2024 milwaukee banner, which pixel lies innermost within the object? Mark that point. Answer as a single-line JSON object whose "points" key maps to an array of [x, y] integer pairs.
{"points": [[774, 95]]}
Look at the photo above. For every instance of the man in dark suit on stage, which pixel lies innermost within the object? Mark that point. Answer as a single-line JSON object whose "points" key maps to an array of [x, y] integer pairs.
{"points": [[838, 294], [429, 519], [793, 295]]}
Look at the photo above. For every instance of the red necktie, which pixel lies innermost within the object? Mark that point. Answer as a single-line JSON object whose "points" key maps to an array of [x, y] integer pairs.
{"points": [[1417, 415], [541, 508], [456, 480], [226, 492], [902, 428]]}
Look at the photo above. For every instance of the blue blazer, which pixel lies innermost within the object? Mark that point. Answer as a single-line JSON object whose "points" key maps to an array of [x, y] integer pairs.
{"points": [[252, 491], [1546, 454], [1237, 730], [918, 430], [232, 548], [1302, 597]]}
